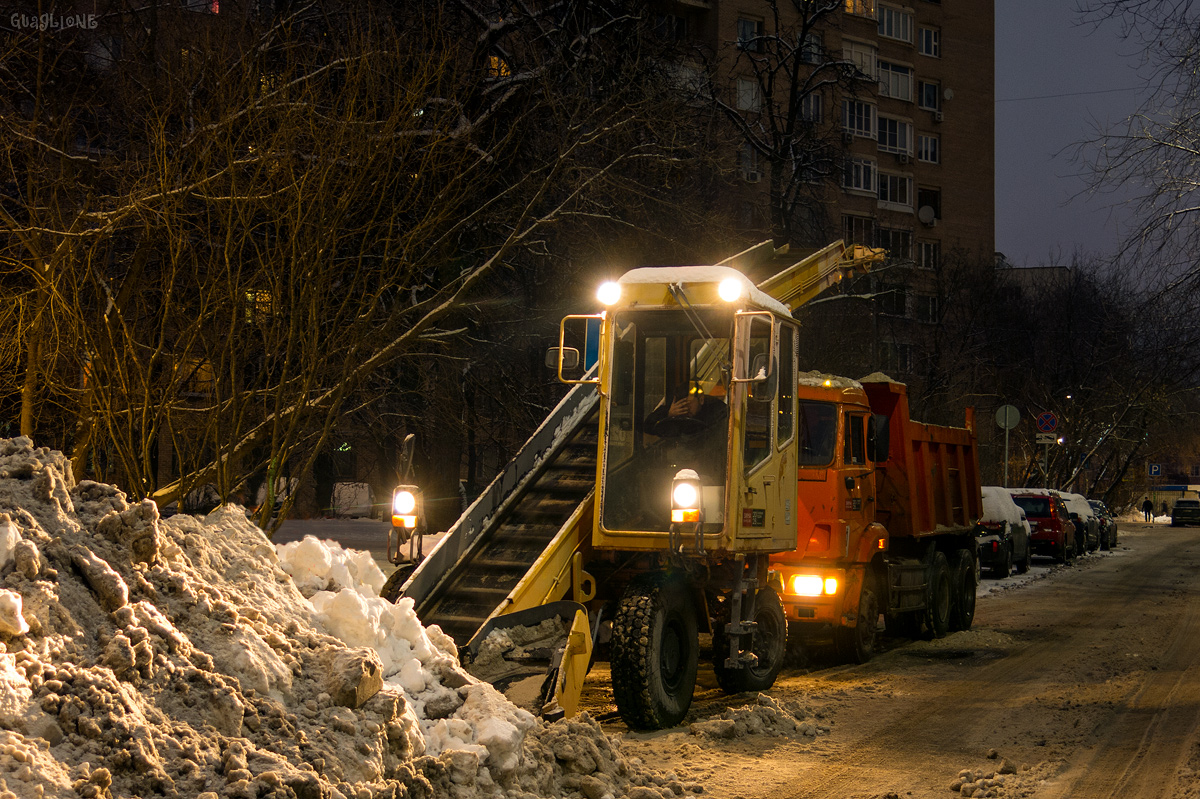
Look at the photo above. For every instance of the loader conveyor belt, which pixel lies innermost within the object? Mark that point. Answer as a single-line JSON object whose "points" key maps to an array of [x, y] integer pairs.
{"points": [[496, 542]]}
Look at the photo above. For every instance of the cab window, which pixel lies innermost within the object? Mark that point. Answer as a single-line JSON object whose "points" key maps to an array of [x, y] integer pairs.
{"points": [[854, 448], [817, 426]]}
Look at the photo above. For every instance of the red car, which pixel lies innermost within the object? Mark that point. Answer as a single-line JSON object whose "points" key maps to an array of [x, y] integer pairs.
{"points": [[1053, 530]]}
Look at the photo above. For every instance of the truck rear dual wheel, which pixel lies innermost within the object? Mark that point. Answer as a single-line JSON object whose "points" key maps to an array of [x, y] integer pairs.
{"points": [[937, 609], [654, 653], [962, 584], [768, 642]]}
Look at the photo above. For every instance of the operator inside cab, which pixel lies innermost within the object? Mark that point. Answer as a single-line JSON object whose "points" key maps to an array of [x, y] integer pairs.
{"points": [[685, 410]]}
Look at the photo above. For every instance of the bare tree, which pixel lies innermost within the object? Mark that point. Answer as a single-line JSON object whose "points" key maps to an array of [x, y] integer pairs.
{"points": [[775, 84], [218, 251]]}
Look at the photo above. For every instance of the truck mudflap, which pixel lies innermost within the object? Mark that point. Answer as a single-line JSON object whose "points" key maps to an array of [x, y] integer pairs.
{"points": [[537, 657]]}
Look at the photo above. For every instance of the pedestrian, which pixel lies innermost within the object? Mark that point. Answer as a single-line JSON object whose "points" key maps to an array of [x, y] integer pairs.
{"points": [[1148, 509]]}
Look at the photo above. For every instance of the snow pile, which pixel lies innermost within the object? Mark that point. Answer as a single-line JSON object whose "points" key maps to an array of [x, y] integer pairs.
{"points": [[142, 656], [767, 716], [323, 565]]}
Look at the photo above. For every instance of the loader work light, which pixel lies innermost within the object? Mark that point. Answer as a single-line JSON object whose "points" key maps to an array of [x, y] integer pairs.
{"points": [[730, 289], [685, 496], [608, 293], [406, 502]]}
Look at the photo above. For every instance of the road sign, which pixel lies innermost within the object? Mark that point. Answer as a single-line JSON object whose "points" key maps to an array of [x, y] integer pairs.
{"points": [[1047, 438], [1007, 417], [1155, 470], [1047, 422]]}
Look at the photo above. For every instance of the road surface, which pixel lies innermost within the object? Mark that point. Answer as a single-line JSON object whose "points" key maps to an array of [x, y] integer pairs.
{"points": [[1081, 681]]}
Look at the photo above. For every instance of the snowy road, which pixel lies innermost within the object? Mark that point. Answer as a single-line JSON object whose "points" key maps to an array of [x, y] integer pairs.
{"points": [[1080, 682]]}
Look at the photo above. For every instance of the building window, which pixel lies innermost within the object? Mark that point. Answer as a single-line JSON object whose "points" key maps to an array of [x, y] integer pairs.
{"points": [[812, 108], [748, 160], [748, 97], [895, 136], [812, 49], [858, 118], [863, 8], [670, 27], [929, 95], [895, 357], [928, 149], [925, 308], [895, 191], [895, 24], [895, 81], [931, 198], [896, 241], [862, 56], [929, 254], [858, 230], [749, 35], [929, 42], [892, 299], [859, 174]]}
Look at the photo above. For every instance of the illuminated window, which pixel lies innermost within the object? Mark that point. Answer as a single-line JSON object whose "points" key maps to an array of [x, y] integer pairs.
{"points": [[863, 8]]}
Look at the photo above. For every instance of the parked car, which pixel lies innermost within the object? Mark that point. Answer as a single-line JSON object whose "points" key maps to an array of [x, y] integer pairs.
{"points": [[1053, 530], [1186, 511], [1002, 535], [1087, 524], [1108, 524]]}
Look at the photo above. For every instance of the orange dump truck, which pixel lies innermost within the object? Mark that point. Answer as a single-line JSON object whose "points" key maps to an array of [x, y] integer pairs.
{"points": [[885, 518]]}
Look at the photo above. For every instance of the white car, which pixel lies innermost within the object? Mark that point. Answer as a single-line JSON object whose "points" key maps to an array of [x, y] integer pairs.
{"points": [[1003, 534]]}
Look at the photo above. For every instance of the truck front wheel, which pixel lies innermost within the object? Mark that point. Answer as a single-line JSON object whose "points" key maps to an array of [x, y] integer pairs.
{"points": [[857, 644], [937, 612], [768, 643], [654, 653]]}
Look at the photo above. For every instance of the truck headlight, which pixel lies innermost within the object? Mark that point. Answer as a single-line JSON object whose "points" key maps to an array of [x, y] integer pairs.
{"points": [[812, 585], [685, 496], [406, 502]]}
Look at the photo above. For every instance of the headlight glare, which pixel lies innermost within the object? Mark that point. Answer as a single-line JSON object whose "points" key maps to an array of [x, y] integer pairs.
{"points": [[806, 585], [608, 293], [730, 289]]}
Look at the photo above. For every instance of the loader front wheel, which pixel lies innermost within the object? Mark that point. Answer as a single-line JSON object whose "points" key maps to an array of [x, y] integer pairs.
{"points": [[391, 588], [654, 653], [768, 642]]}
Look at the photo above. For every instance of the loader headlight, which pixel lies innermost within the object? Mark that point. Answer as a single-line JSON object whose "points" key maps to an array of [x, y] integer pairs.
{"points": [[608, 293], [730, 289], [406, 501], [685, 496]]}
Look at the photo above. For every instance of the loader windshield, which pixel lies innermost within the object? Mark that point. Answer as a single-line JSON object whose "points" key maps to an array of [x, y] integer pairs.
{"points": [[667, 411]]}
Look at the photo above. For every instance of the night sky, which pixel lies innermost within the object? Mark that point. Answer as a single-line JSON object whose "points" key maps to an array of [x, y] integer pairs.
{"points": [[1056, 78]]}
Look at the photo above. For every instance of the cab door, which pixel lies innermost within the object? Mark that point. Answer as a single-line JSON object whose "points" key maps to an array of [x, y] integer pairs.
{"points": [[856, 488], [769, 442]]}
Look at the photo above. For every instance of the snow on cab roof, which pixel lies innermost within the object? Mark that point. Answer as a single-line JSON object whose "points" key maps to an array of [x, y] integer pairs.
{"points": [[816, 378], [704, 274]]}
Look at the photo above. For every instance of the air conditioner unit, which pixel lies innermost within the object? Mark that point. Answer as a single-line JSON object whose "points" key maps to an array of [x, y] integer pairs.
{"points": [[937, 116], [847, 137], [752, 177], [902, 158]]}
